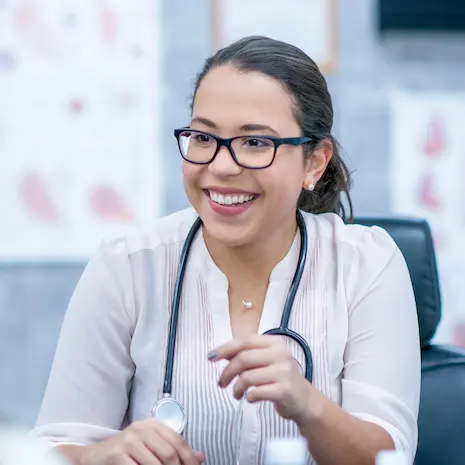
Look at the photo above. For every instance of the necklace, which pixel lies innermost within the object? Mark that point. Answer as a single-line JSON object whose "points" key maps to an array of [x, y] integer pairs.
{"points": [[247, 304]]}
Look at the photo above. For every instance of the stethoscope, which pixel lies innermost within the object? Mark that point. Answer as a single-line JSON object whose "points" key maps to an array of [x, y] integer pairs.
{"points": [[168, 410]]}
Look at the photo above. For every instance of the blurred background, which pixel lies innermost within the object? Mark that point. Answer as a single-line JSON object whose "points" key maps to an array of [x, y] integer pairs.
{"points": [[90, 91]]}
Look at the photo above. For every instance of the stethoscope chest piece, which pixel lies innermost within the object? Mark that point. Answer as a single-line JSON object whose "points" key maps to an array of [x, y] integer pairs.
{"points": [[171, 413]]}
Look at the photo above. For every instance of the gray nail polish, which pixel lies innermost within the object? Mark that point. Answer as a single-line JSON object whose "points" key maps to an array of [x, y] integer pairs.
{"points": [[212, 355]]}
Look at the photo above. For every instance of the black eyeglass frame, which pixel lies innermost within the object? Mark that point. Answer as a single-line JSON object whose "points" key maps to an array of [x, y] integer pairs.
{"points": [[227, 142]]}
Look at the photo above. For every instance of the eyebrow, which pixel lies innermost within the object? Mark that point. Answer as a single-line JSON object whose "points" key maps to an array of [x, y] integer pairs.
{"points": [[244, 128]]}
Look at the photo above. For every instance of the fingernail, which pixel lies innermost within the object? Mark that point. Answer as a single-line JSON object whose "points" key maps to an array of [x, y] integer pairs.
{"points": [[212, 355]]}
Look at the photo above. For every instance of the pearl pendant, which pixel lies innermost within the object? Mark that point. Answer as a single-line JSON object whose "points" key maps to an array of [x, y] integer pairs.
{"points": [[247, 304]]}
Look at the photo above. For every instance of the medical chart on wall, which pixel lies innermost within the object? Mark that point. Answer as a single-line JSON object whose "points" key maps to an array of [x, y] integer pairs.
{"points": [[308, 24], [79, 124], [427, 180]]}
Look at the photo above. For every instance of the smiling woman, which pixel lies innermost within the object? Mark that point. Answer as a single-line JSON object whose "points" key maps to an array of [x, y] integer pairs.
{"points": [[263, 174]]}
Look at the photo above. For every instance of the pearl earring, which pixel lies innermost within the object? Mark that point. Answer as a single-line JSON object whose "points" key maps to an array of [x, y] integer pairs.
{"points": [[310, 187]]}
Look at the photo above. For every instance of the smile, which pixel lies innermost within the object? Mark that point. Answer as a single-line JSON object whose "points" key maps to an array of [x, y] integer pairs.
{"points": [[230, 199]]}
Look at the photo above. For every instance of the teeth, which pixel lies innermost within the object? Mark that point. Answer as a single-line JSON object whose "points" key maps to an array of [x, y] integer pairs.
{"points": [[230, 199]]}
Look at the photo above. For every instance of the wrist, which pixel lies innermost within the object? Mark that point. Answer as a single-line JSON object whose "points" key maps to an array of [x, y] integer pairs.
{"points": [[313, 408]]}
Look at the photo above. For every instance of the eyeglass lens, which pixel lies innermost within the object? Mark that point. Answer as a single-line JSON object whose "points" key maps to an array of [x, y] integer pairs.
{"points": [[250, 151]]}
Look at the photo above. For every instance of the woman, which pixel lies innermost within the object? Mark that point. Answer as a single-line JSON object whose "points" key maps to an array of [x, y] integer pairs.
{"points": [[355, 305]]}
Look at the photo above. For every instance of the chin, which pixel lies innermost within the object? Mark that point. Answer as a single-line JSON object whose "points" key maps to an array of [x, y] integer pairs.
{"points": [[231, 231], [228, 235]]}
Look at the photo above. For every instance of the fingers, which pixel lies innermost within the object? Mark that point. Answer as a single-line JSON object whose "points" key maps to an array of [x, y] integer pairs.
{"points": [[161, 451], [269, 392], [246, 360], [163, 445], [261, 362], [119, 460], [199, 456], [182, 449], [142, 454], [256, 377], [232, 348]]}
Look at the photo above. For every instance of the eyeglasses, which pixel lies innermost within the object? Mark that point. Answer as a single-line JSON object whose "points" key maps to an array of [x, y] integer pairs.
{"points": [[253, 152]]}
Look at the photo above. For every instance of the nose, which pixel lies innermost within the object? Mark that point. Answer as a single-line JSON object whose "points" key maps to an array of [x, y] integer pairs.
{"points": [[224, 164]]}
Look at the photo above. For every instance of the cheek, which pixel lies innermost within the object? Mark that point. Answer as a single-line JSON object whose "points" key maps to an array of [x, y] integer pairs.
{"points": [[285, 180], [283, 190], [190, 175]]}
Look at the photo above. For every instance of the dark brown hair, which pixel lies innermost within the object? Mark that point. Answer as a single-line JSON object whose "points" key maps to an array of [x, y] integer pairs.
{"points": [[313, 109]]}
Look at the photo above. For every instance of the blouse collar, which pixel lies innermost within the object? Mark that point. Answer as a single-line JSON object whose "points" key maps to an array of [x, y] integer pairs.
{"points": [[282, 273]]}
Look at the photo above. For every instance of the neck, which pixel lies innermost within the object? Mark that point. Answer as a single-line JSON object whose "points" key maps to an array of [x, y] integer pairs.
{"points": [[252, 264]]}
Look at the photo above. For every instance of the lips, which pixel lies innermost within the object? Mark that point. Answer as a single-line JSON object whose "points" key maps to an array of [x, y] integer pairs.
{"points": [[229, 196], [229, 202], [230, 199]]}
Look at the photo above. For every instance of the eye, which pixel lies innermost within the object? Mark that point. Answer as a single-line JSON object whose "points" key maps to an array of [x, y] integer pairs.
{"points": [[202, 138], [258, 143]]}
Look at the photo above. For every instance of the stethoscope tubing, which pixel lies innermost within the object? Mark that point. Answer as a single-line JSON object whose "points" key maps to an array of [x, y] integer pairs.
{"points": [[283, 329], [303, 345], [167, 384]]}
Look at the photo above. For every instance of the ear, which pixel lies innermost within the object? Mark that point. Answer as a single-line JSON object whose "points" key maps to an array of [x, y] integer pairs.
{"points": [[317, 162]]}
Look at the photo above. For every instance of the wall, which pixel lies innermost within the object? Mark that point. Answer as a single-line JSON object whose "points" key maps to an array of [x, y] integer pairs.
{"points": [[34, 299]]}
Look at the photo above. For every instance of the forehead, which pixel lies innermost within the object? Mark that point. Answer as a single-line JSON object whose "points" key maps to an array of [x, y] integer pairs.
{"points": [[231, 98]]}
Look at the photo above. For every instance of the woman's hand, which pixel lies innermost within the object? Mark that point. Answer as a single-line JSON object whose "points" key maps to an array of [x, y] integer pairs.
{"points": [[146, 442], [264, 363]]}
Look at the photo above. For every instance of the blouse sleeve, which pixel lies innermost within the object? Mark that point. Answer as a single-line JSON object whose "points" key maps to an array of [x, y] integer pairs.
{"points": [[86, 398], [382, 364]]}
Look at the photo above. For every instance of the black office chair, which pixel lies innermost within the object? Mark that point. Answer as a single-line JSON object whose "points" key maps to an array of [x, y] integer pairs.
{"points": [[441, 423]]}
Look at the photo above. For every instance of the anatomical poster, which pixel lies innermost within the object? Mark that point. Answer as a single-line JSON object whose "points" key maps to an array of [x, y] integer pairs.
{"points": [[427, 157], [79, 123]]}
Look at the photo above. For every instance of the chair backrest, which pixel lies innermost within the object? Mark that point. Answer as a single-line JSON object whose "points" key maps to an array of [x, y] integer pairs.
{"points": [[441, 421]]}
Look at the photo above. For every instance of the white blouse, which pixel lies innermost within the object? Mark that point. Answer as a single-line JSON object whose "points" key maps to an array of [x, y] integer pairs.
{"points": [[355, 307]]}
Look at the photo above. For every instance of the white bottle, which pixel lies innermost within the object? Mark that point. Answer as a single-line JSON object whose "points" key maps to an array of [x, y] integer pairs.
{"points": [[392, 457], [286, 451]]}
